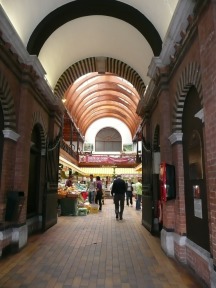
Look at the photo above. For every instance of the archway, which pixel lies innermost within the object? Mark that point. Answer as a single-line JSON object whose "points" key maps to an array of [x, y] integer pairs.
{"points": [[194, 172]]}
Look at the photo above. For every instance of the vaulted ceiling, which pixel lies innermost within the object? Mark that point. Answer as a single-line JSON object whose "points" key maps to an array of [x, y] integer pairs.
{"points": [[107, 41]]}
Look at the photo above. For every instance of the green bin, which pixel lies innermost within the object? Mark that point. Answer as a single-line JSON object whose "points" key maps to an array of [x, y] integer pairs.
{"points": [[68, 206]]}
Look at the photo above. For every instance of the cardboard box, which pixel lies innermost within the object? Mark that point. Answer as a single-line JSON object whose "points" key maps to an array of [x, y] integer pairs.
{"points": [[94, 208]]}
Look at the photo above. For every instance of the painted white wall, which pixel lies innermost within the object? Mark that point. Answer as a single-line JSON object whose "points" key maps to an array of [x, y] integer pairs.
{"points": [[95, 127]]}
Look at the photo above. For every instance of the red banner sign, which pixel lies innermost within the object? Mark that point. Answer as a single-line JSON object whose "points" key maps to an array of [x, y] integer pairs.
{"points": [[107, 159]]}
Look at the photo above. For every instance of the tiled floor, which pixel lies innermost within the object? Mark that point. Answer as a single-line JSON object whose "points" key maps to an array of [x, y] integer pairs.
{"points": [[94, 251]]}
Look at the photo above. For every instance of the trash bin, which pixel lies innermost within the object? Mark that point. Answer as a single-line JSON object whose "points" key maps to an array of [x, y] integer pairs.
{"points": [[15, 200], [69, 206]]}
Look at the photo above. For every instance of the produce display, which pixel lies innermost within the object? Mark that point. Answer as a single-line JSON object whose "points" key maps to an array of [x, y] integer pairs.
{"points": [[81, 187], [72, 200], [73, 191], [62, 192]]}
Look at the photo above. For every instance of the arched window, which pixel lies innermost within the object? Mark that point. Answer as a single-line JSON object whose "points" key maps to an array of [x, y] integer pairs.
{"points": [[108, 140]]}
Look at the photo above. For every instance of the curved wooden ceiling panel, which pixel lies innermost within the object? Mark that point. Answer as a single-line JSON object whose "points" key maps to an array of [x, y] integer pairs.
{"points": [[96, 96], [87, 98], [77, 101], [112, 107], [103, 99]]}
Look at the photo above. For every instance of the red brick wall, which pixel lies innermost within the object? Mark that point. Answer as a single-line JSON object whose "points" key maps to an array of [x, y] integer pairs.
{"points": [[169, 217], [180, 253], [16, 155], [7, 175], [201, 50], [165, 125], [198, 264], [180, 219], [207, 38]]}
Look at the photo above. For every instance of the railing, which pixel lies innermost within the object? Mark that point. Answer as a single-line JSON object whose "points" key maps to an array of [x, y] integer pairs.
{"points": [[67, 148]]}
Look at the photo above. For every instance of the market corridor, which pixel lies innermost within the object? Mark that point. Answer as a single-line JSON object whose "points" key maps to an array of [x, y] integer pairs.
{"points": [[94, 251]]}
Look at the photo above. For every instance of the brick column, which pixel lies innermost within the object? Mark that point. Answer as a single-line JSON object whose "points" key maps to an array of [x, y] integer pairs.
{"points": [[180, 213]]}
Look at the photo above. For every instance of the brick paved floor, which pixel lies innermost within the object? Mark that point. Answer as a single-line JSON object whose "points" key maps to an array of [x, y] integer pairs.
{"points": [[94, 251]]}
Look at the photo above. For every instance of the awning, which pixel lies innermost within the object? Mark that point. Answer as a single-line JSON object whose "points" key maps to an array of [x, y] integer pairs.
{"points": [[68, 164], [139, 168], [109, 171], [101, 171]]}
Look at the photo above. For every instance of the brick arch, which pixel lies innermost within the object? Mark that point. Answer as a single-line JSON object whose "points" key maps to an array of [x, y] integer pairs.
{"points": [[190, 76], [125, 71], [7, 103], [88, 65], [38, 120]]}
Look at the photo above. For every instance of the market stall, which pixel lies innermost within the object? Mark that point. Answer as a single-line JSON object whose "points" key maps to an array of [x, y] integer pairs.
{"points": [[69, 199]]}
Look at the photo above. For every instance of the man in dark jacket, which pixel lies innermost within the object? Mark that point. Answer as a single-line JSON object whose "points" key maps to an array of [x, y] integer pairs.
{"points": [[118, 191]]}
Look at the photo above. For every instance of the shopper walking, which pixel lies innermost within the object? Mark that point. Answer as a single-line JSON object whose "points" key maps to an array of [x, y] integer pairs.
{"points": [[138, 188], [118, 191], [91, 185], [103, 190], [129, 192], [99, 192]]}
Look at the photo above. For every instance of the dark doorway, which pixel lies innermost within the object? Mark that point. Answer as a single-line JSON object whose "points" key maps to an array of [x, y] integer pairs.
{"points": [[34, 173], [147, 193], [1, 137], [194, 172], [52, 172]]}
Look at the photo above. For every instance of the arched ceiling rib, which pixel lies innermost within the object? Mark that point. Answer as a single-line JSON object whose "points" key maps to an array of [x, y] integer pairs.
{"points": [[111, 111], [101, 84], [86, 105], [88, 65], [83, 8], [104, 95], [116, 38], [37, 23]]}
